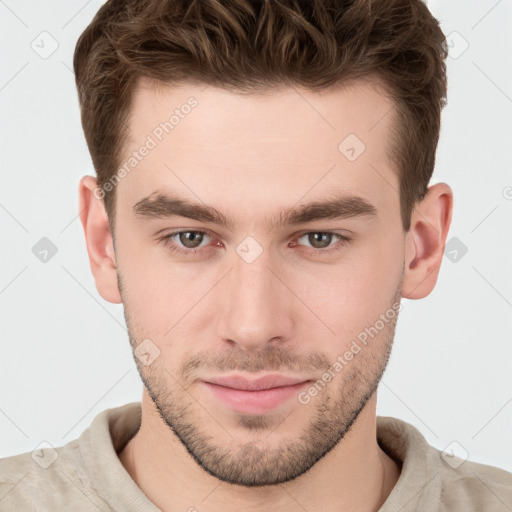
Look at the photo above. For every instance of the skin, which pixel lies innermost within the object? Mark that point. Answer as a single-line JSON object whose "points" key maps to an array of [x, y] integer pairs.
{"points": [[293, 310]]}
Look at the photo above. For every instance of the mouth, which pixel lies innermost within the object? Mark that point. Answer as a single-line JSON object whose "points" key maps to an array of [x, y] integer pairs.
{"points": [[254, 396]]}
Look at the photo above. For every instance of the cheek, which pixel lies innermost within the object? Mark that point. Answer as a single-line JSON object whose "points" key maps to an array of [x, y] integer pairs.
{"points": [[151, 290], [352, 295], [158, 293], [346, 296]]}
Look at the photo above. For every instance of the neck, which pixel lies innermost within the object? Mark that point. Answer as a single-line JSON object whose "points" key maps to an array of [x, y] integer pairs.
{"points": [[355, 475]]}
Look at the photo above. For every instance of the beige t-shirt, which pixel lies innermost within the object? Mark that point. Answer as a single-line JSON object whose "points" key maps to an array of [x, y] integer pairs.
{"points": [[85, 475]]}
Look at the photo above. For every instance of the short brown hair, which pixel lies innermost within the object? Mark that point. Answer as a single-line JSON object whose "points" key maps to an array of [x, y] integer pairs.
{"points": [[251, 45]]}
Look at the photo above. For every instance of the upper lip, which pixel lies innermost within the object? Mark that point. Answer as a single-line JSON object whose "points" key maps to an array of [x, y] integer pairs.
{"points": [[265, 382]]}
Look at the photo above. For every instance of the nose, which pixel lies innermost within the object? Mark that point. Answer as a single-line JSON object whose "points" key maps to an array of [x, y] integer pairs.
{"points": [[256, 307]]}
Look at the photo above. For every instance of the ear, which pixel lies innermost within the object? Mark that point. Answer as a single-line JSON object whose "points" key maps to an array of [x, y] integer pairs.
{"points": [[98, 238], [425, 241]]}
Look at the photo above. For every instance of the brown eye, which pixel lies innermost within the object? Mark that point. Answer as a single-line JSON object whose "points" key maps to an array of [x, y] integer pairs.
{"points": [[185, 242], [322, 243], [191, 239], [320, 240]]}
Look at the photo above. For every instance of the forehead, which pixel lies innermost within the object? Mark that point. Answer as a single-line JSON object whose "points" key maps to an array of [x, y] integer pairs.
{"points": [[255, 150]]}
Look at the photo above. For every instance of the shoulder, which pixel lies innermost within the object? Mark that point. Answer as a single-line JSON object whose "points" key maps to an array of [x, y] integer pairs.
{"points": [[468, 485], [13, 489], [430, 476], [46, 479]]}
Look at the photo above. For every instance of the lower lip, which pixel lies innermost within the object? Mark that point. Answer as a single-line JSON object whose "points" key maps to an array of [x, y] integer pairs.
{"points": [[254, 402]]}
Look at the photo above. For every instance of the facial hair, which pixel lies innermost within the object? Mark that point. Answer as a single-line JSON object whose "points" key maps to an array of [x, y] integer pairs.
{"points": [[251, 463]]}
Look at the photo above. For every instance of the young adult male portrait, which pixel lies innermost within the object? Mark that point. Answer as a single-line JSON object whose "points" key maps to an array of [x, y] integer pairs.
{"points": [[261, 208]]}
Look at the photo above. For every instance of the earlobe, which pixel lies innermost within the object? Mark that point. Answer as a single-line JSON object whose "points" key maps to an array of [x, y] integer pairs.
{"points": [[98, 239], [425, 241]]}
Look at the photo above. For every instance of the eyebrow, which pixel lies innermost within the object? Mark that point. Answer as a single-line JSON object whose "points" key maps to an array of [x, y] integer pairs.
{"points": [[161, 206]]}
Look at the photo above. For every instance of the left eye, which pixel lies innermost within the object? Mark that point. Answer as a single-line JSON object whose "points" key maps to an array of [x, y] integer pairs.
{"points": [[320, 239]]}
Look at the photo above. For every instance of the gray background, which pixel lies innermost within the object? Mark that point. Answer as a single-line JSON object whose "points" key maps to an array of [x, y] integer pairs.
{"points": [[65, 355]]}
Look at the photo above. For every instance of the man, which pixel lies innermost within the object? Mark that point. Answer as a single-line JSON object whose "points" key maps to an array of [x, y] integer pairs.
{"points": [[260, 208]]}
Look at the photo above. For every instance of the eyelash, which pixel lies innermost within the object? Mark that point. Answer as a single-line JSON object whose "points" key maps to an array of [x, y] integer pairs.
{"points": [[166, 240]]}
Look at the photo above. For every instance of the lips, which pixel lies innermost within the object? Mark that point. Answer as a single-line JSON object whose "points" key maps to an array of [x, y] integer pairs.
{"points": [[266, 382], [254, 396]]}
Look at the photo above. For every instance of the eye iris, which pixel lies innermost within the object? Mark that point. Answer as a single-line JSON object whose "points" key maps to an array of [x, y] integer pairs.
{"points": [[189, 239], [326, 238]]}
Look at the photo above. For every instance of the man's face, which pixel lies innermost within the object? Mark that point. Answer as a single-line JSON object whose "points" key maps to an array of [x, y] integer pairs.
{"points": [[257, 296]]}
